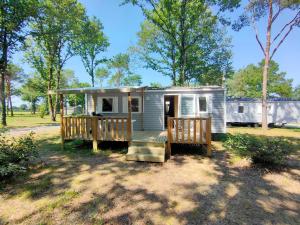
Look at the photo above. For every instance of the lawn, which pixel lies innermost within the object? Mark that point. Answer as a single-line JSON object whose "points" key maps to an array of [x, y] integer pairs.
{"points": [[26, 119], [77, 186]]}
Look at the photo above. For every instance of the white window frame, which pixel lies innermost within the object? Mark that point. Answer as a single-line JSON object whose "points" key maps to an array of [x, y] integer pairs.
{"points": [[125, 104], [194, 104], [114, 104], [198, 105]]}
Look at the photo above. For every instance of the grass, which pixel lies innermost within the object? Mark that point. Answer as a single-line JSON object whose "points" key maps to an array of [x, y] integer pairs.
{"points": [[79, 186], [26, 119]]}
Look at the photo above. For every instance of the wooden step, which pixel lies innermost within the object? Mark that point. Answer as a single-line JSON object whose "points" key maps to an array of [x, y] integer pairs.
{"points": [[146, 150], [150, 144], [145, 157]]}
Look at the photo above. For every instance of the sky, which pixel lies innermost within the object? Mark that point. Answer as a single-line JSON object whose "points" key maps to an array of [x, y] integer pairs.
{"points": [[121, 24]]}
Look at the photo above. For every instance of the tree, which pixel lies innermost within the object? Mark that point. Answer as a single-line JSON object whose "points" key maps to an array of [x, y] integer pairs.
{"points": [[14, 17], [101, 75], [296, 93], [69, 80], [14, 75], [247, 82], [272, 9], [155, 85], [32, 91], [119, 65], [23, 107], [90, 43], [132, 80], [175, 33], [53, 34]]}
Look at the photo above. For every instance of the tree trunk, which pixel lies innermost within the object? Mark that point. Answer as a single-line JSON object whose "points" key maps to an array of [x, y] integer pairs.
{"points": [[50, 99], [11, 106], [3, 68], [9, 101], [264, 114], [182, 65]]}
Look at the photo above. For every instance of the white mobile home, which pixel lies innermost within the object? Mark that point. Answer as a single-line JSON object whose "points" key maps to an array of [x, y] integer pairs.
{"points": [[150, 120], [152, 106], [248, 111]]}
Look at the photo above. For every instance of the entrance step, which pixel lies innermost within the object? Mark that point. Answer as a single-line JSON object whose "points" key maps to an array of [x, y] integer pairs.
{"points": [[145, 157], [146, 151]]}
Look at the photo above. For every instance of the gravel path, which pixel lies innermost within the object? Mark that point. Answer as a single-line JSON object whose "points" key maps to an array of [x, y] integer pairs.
{"points": [[37, 130]]}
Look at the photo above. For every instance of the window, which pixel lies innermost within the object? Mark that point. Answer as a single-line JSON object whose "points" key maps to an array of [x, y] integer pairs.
{"points": [[241, 109], [107, 104], [187, 105], [136, 104], [202, 104]]}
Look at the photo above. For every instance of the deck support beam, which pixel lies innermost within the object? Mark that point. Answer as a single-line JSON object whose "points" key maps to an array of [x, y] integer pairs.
{"points": [[62, 128], [95, 133], [208, 136]]}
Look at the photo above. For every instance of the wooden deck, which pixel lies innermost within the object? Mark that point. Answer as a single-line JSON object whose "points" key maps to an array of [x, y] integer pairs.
{"points": [[142, 144]]}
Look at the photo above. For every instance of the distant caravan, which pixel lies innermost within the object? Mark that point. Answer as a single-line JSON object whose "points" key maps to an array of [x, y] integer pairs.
{"points": [[248, 111]]}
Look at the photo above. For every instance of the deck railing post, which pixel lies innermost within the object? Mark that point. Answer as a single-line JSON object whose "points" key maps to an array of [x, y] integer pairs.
{"points": [[62, 128], [169, 137], [94, 133], [208, 136]]}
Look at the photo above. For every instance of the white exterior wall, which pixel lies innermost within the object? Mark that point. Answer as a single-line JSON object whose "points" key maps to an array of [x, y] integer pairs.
{"points": [[278, 112]]}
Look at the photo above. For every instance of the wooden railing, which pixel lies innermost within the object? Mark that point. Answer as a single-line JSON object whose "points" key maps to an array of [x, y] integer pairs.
{"points": [[189, 131], [96, 128]]}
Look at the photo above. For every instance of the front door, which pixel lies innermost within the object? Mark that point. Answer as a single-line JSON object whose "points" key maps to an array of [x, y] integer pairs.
{"points": [[171, 107]]}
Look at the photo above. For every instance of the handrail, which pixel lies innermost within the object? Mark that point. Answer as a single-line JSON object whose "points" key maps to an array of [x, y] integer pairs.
{"points": [[184, 130], [96, 128]]}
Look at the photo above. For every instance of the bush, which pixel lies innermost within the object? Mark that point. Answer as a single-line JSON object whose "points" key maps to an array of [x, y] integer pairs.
{"points": [[43, 110], [263, 150], [15, 154]]}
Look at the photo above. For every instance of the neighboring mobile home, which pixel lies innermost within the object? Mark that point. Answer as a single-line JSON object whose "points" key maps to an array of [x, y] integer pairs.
{"points": [[151, 120], [248, 111]]}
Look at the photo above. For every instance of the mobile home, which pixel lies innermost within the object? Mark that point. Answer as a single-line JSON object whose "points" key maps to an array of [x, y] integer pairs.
{"points": [[248, 111], [151, 120]]}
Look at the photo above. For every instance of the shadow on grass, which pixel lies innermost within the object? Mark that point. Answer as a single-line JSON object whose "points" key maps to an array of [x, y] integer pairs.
{"points": [[239, 195]]}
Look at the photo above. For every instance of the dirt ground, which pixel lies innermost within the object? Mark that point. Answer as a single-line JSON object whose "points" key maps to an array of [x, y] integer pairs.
{"points": [[77, 187]]}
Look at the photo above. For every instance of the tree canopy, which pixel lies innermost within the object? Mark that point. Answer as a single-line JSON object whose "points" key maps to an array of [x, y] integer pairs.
{"points": [[90, 42], [247, 82], [14, 17], [53, 34], [182, 43]]}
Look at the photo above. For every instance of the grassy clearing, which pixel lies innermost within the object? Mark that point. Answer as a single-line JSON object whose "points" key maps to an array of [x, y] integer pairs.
{"points": [[26, 119], [79, 186]]}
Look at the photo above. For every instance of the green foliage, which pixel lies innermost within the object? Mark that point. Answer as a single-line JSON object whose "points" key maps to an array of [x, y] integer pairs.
{"points": [[121, 73], [155, 85], [14, 17], [15, 154], [247, 82], [33, 90], [101, 75], [182, 43], [132, 80], [51, 43], [262, 150], [43, 110], [90, 42], [296, 93]]}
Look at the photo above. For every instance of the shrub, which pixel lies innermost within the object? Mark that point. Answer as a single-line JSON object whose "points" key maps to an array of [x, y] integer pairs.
{"points": [[15, 154], [263, 150], [43, 110]]}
